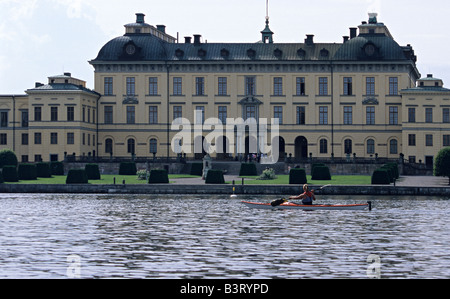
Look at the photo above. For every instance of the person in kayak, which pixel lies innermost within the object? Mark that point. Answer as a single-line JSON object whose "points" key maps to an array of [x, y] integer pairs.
{"points": [[307, 197]]}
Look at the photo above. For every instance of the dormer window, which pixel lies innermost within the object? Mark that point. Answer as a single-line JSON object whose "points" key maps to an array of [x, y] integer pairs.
{"points": [[224, 53], [251, 53], [278, 53]]}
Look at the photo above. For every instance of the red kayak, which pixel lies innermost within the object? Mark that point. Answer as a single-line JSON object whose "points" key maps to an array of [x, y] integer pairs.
{"points": [[293, 206]]}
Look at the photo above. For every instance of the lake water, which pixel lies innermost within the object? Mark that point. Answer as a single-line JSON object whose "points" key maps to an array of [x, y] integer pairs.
{"points": [[140, 236]]}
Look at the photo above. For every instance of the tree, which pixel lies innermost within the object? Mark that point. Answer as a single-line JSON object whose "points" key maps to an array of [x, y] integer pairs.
{"points": [[442, 163], [8, 157]]}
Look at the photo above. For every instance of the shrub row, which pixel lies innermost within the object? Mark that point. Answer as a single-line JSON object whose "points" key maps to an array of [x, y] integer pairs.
{"points": [[385, 175], [297, 176]]}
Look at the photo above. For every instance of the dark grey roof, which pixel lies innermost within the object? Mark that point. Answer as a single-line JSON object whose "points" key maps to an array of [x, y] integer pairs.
{"points": [[151, 48], [427, 89], [62, 87]]}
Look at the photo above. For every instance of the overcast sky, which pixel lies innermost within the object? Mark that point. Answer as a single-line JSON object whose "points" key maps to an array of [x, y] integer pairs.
{"points": [[42, 38]]}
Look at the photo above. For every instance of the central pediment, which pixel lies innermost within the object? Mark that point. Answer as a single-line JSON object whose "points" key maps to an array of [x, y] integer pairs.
{"points": [[250, 100]]}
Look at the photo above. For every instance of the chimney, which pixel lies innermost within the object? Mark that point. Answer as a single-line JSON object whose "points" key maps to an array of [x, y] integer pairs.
{"points": [[140, 18], [429, 75], [309, 41], [68, 74], [161, 28], [38, 84], [345, 39], [353, 32], [187, 39], [197, 39]]}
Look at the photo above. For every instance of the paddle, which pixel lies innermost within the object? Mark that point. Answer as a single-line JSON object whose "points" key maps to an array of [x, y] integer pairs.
{"points": [[279, 202]]}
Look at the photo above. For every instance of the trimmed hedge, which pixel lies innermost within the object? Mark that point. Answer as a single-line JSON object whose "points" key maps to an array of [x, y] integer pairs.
{"points": [[389, 173], [314, 165], [92, 171], [43, 170], [158, 176], [10, 173], [77, 176], [297, 176], [197, 169], [27, 172], [380, 177], [7, 157], [215, 176], [57, 168], [248, 169], [127, 168], [321, 173], [394, 167], [1, 178]]}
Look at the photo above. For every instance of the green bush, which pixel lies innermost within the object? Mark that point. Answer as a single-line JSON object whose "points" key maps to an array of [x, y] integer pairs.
{"points": [[390, 172], [127, 168], [248, 169], [1, 178], [197, 169], [7, 157], [57, 168], [27, 172], [442, 163], [77, 176], [158, 176], [394, 167], [43, 170], [314, 165], [268, 174], [321, 173], [297, 176], [10, 173], [92, 171], [215, 176], [380, 177]]}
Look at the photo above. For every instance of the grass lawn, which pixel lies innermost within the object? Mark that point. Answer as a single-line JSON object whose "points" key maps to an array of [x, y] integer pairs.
{"points": [[106, 179], [335, 180]]}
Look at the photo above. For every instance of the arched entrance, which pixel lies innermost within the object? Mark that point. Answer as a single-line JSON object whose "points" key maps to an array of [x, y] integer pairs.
{"points": [[301, 148], [281, 147], [199, 150], [222, 148]]}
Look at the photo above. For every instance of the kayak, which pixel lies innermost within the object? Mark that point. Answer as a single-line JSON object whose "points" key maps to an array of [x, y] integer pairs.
{"points": [[293, 206]]}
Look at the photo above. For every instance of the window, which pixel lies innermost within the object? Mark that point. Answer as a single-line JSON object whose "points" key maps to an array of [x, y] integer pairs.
{"points": [[108, 86], [348, 86], [301, 115], [278, 113], [89, 139], [199, 115], [250, 112], [131, 114], [177, 112], [250, 86], [370, 147], [348, 146], [446, 140], [300, 86], [108, 114], [393, 115], [323, 146], [70, 113], [108, 146], [131, 146], [223, 114], [412, 139], [393, 86], [93, 116], [37, 113], [54, 113], [4, 119], [446, 115], [393, 147], [223, 88], [53, 138], [89, 115], [177, 86], [153, 86], [3, 139], [323, 115], [370, 115], [153, 146], [70, 138], [412, 115], [25, 119], [428, 115], [153, 114], [370, 86], [83, 114], [37, 138], [131, 86], [323, 86], [37, 158], [24, 139], [200, 86], [348, 115], [83, 138], [278, 86], [428, 140]]}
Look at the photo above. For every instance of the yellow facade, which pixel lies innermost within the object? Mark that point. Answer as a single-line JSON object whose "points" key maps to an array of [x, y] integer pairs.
{"points": [[337, 99]]}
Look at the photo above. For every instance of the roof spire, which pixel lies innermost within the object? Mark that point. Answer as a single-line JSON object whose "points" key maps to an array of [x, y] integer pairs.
{"points": [[267, 34]]}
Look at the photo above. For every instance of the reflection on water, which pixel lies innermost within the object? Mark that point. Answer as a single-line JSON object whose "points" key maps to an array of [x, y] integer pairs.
{"points": [[137, 236]]}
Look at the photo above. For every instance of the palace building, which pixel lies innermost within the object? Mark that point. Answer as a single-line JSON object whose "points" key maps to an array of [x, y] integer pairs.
{"points": [[362, 96]]}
